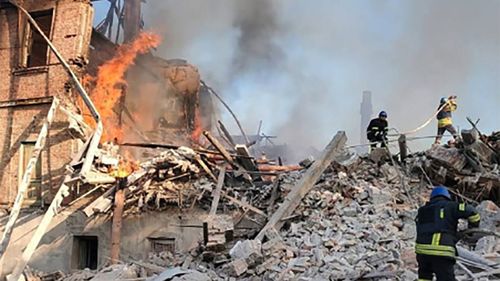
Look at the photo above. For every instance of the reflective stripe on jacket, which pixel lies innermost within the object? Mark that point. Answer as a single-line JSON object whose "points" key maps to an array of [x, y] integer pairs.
{"points": [[377, 129], [444, 116], [437, 226]]}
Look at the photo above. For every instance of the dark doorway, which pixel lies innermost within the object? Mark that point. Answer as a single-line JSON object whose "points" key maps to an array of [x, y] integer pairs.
{"points": [[85, 252]]}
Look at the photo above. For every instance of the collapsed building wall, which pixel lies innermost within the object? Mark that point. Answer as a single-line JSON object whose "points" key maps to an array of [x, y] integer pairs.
{"points": [[31, 76], [77, 242]]}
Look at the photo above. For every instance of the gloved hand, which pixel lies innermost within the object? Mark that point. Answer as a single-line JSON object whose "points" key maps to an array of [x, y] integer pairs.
{"points": [[472, 235]]}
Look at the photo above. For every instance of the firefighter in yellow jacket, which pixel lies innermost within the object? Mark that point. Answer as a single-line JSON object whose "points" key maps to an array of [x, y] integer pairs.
{"points": [[445, 122]]}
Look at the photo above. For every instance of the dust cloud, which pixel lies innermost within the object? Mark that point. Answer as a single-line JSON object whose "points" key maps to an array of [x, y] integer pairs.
{"points": [[301, 66]]}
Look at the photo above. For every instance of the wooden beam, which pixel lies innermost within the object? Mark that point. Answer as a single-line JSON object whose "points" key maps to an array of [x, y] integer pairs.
{"points": [[225, 154], [205, 167], [92, 149], [102, 203], [246, 161], [171, 146], [25, 182], [226, 133], [307, 182], [216, 193], [274, 194], [403, 149], [131, 19], [219, 147]]}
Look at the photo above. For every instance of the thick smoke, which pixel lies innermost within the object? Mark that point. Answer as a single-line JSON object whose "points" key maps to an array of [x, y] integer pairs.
{"points": [[301, 66]]}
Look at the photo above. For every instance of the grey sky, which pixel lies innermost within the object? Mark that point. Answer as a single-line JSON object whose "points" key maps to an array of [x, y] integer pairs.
{"points": [[301, 66]]}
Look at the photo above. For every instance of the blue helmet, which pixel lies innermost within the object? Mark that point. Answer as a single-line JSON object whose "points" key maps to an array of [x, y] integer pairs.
{"points": [[382, 114], [443, 100], [440, 191]]}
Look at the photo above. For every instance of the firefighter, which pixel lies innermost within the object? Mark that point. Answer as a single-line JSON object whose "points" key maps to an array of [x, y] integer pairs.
{"points": [[437, 224], [377, 130], [445, 123]]}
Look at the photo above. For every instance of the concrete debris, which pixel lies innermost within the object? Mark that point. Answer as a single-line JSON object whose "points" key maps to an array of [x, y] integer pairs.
{"points": [[237, 267], [116, 272], [248, 250], [179, 274], [335, 216], [356, 221]]}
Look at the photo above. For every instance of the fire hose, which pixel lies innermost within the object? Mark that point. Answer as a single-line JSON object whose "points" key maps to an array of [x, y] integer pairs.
{"points": [[428, 120]]}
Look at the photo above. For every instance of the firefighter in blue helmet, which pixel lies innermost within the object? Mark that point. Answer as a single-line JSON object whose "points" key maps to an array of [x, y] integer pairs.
{"points": [[377, 130], [437, 224]]}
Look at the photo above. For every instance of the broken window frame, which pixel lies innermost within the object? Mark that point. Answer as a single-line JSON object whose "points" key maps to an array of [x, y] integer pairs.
{"points": [[27, 38], [36, 176], [162, 244]]}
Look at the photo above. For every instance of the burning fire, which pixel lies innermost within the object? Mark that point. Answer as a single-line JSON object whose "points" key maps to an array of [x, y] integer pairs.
{"points": [[126, 166], [110, 83], [195, 135]]}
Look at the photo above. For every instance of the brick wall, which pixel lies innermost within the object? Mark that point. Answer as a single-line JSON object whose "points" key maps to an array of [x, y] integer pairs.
{"points": [[71, 30]]}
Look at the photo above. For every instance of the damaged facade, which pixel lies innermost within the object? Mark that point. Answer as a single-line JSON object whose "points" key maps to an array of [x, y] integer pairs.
{"points": [[32, 78]]}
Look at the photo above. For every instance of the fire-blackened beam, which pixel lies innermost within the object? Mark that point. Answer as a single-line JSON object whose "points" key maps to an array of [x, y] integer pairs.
{"points": [[131, 19], [116, 228]]}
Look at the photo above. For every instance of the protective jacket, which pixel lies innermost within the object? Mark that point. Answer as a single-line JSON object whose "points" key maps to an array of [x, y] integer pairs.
{"points": [[437, 226], [444, 116], [377, 130]]}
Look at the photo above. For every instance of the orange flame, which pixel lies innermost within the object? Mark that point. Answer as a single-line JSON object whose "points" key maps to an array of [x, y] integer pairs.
{"points": [[126, 166], [110, 82], [198, 129]]}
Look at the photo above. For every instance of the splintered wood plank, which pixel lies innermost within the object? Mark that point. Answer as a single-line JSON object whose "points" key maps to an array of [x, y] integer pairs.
{"points": [[303, 186]]}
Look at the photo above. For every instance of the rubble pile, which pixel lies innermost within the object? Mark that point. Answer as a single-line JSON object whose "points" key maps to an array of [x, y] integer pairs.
{"points": [[165, 180], [356, 223], [181, 177], [471, 168], [345, 228]]}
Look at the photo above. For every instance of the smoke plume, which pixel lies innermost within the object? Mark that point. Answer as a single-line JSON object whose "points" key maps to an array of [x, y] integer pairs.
{"points": [[301, 66]]}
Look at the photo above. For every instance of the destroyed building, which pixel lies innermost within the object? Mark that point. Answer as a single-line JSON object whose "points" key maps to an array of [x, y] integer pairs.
{"points": [[34, 83], [33, 76], [190, 203]]}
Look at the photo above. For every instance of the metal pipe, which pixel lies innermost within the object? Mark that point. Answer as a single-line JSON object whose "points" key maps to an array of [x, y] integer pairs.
{"points": [[228, 109]]}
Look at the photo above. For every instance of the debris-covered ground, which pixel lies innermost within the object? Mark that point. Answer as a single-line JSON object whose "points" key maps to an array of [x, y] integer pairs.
{"points": [[355, 223]]}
